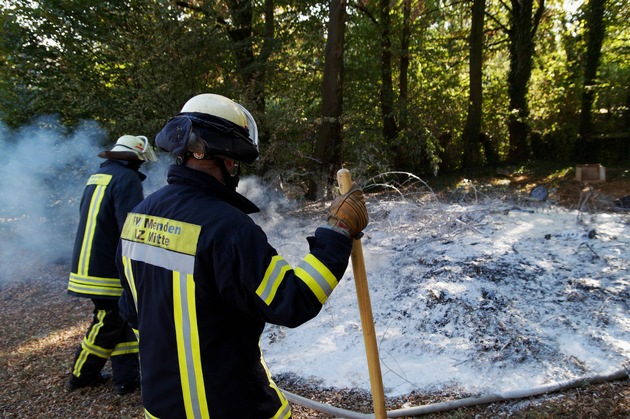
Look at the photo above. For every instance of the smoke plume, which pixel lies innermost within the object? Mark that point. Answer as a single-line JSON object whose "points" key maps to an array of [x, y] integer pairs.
{"points": [[42, 180]]}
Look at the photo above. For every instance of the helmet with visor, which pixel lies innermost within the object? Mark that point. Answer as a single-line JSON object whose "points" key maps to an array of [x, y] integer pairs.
{"points": [[222, 128], [131, 147]]}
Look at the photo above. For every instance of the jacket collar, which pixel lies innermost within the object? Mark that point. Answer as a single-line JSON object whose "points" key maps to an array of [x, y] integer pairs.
{"points": [[125, 163], [179, 174]]}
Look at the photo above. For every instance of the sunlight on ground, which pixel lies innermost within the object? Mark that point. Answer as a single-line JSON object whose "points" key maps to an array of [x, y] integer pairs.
{"points": [[51, 342]]}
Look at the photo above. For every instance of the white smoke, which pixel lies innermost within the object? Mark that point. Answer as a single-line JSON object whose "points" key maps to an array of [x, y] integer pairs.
{"points": [[280, 218], [272, 203], [41, 182]]}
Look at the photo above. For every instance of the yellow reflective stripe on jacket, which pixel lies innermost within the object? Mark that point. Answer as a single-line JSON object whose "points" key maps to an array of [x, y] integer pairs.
{"points": [[148, 415], [156, 256], [130, 280], [160, 242], [273, 278], [84, 284], [284, 412], [124, 348], [164, 233], [101, 181], [317, 277], [88, 342], [188, 349]]}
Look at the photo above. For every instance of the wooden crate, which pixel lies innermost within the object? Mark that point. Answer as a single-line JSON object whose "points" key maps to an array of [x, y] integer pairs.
{"points": [[591, 173]]}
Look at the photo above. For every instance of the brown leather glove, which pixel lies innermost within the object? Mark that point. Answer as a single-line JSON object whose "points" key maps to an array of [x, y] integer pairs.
{"points": [[348, 213]]}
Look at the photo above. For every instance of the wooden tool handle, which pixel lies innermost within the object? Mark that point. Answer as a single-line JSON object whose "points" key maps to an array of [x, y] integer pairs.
{"points": [[365, 310]]}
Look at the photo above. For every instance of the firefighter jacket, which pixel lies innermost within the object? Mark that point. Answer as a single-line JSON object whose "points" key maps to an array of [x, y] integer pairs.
{"points": [[109, 195], [201, 282]]}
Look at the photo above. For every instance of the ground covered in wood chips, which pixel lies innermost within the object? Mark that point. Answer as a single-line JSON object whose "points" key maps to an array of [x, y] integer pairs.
{"points": [[41, 327]]}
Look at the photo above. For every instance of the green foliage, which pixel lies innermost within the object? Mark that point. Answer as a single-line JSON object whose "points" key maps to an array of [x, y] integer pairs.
{"points": [[126, 65], [130, 65], [293, 94], [554, 94]]}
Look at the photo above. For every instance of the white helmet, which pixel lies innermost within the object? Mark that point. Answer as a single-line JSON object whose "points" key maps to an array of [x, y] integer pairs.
{"points": [[216, 105], [227, 128], [131, 147]]}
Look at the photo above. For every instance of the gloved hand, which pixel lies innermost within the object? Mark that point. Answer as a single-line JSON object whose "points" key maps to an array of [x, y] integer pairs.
{"points": [[348, 213]]}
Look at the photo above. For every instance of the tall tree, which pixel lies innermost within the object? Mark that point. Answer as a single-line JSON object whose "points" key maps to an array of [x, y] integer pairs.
{"points": [[390, 128], [327, 153], [236, 19], [595, 33], [472, 129], [405, 57], [124, 66], [387, 99], [523, 25]]}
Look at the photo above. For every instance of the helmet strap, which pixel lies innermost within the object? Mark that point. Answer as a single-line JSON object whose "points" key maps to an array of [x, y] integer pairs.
{"points": [[229, 180]]}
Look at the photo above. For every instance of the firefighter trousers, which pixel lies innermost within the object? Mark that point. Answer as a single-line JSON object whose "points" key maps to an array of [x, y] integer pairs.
{"points": [[107, 337]]}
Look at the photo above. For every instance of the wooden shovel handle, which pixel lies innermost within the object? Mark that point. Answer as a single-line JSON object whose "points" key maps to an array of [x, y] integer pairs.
{"points": [[365, 310]]}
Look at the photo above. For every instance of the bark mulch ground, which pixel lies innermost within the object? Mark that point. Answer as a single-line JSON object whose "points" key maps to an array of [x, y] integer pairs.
{"points": [[42, 325]]}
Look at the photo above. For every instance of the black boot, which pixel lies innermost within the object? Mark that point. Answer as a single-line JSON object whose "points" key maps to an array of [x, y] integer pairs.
{"points": [[88, 381], [127, 388]]}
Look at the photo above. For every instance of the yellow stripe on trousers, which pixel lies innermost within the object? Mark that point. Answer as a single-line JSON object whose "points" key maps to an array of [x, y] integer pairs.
{"points": [[87, 342]]}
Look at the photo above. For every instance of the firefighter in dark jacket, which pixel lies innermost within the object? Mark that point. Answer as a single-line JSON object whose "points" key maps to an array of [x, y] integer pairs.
{"points": [[109, 195], [201, 279]]}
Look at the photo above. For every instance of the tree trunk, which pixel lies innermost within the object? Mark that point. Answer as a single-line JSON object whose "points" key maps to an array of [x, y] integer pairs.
{"points": [[251, 68], [595, 32], [258, 92], [390, 130], [327, 153], [403, 82], [472, 129], [403, 95], [240, 33], [521, 33]]}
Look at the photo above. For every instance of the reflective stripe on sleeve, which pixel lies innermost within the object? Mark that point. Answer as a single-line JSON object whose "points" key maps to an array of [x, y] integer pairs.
{"points": [[317, 277], [94, 291], [95, 280], [274, 275], [188, 349], [92, 285]]}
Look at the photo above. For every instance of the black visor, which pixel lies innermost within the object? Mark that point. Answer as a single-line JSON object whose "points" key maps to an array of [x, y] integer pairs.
{"points": [[223, 138]]}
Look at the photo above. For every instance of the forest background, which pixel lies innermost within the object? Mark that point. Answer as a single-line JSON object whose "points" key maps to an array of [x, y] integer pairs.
{"points": [[419, 86]]}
